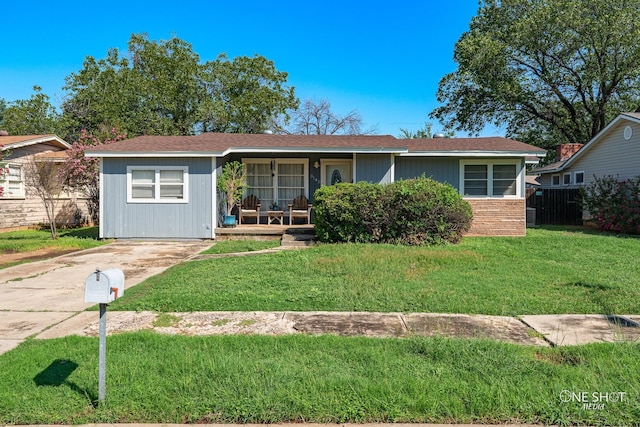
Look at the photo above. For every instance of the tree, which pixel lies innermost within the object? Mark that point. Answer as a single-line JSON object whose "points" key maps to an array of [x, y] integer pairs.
{"points": [[232, 183], [43, 178], [422, 133], [552, 71], [162, 88], [244, 95], [316, 118], [33, 116], [80, 173]]}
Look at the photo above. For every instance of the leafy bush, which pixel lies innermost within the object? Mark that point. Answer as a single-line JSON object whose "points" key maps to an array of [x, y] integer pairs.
{"points": [[412, 212], [613, 204]]}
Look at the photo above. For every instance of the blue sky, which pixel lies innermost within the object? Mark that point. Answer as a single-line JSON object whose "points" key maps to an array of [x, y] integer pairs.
{"points": [[382, 58]]}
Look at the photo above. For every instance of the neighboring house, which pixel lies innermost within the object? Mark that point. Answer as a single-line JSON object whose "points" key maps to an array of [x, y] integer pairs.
{"points": [[19, 208], [165, 186], [615, 151]]}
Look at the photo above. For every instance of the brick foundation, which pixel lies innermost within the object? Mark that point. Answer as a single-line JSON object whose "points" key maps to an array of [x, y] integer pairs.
{"points": [[498, 217]]}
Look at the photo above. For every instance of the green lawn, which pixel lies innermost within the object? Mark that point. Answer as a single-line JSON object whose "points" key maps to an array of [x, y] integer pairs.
{"points": [[241, 245], [323, 379], [548, 271], [31, 240]]}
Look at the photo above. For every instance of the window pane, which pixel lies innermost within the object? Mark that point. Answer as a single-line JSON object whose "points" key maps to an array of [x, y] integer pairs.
{"points": [[171, 176], [143, 176], [504, 187], [475, 172], [475, 180], [579, 177], [171, 191], [504, 171], [14, 173], [504, 180], [142, 192]]}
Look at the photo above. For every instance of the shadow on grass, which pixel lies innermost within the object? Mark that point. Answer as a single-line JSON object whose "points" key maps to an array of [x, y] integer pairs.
{"points": [[585, 229], [80, 233], [57, 374]]}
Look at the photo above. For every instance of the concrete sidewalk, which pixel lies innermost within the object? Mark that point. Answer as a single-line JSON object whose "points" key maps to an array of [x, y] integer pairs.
{"points": [[46, 299]]}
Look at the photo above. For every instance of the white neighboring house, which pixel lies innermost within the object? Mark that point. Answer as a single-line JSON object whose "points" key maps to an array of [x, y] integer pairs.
{"points": [[614, 151], [19, 208]]}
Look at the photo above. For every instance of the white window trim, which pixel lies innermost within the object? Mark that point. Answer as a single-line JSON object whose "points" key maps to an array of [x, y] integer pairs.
{"points": [[559, 180], [490, 163], [157, 169], [564, 175], [575, 180], [4, 182]]}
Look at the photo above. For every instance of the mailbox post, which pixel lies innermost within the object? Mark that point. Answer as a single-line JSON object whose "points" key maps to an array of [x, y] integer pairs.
{"points": [[102, 287]]}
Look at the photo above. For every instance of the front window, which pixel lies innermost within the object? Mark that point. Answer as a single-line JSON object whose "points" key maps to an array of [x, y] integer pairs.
{"points": [[157, 184], [12, 182], [555, 180], [278, 180], [490, 179], [566, 179], [578, 178]]}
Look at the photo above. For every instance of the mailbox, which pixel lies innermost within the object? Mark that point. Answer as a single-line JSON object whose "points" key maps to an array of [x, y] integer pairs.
{"points": [[104, 286]]}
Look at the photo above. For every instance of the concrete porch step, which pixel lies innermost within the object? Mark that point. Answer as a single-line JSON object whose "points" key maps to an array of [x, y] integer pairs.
{"points": [[298, 239]]}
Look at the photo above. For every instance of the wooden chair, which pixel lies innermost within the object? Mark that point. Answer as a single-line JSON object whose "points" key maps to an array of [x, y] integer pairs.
{"points": [[300, 208], [250, 207]]}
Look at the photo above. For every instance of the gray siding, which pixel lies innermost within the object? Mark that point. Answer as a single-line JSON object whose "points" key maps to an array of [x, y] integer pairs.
{"points": [[157, 220], [441, 169], [375, 168], [611, 155]]}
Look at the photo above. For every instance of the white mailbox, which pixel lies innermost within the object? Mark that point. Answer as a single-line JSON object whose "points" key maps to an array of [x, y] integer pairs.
{"points": [[104, 286]]}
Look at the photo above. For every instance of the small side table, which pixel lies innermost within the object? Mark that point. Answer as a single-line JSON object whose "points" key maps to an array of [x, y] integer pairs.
{"points": [[274, 216]]}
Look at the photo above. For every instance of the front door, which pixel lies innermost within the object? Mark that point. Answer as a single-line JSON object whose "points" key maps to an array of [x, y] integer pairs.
{"points": [[336, 171]]}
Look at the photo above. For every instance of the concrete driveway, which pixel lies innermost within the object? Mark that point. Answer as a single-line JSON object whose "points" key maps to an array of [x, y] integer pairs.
{"points": [[41, 294]]}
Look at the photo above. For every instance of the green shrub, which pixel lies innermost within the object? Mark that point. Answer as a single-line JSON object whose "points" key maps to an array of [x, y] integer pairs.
{"points": [[613, 204], [412, 212]]}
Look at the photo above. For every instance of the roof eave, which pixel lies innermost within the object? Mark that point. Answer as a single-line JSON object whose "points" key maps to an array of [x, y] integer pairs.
{"points": [[475, 153], [43, 139]]}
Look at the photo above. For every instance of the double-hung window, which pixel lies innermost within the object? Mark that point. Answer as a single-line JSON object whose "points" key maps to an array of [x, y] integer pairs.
{"points": [[157, 184], [12, 182], [490, 179]]}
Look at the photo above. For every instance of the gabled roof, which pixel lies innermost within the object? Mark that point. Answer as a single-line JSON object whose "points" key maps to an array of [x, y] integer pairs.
{"points": [[562, 165], [8, 142], [221, 144]]}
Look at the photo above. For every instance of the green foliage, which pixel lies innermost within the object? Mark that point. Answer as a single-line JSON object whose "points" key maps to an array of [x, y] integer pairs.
{"points": [[232, 183], [33, 116], [614, 204], [552, 71], [32, 240], [162, 88], [154, 378], [575, 272], [241, 245], [414, 212]]}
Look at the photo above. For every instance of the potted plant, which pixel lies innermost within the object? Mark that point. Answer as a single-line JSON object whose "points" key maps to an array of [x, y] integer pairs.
{"points": [[232, 183]]}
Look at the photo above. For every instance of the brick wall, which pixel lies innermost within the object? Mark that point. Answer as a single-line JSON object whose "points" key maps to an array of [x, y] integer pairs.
{"points": [[498, 217]]}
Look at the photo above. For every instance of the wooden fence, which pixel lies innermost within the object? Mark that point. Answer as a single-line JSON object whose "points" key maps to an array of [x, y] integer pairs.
{"points": [[557, 206]]}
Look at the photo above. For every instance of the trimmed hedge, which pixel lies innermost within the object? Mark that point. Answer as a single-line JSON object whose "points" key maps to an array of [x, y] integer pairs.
{"points": [[412, 212]]}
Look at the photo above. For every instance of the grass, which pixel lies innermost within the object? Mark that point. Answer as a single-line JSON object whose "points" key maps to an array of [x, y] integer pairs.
{"points": [[318, 379], [241, 245], [31, 240], [549, 271]]}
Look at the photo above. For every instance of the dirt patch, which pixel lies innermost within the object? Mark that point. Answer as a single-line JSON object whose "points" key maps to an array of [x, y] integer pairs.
{"points": [[37, 255]]}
